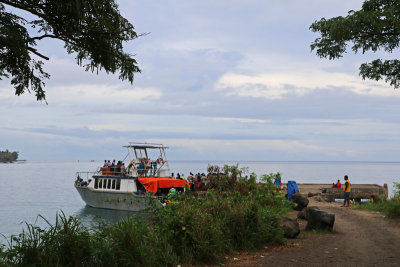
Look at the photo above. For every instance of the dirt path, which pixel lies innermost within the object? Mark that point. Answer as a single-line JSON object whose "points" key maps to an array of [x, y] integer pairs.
{"points": [[360, 238]]}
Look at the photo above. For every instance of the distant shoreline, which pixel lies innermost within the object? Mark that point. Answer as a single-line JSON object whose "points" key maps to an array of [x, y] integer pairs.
{"points": [[15, 161]]}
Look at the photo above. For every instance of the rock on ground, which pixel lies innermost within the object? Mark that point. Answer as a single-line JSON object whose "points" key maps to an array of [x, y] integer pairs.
{"points": [[302, 214], [300, 200], [290, 227], [319, 219]]}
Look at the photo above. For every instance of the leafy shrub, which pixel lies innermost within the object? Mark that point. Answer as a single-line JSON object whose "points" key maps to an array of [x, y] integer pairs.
{"points": [[238, 213], [392, 208], [389, 207]]}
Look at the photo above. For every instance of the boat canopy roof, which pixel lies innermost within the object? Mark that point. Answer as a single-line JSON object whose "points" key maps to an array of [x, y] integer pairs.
{"points": [[152, 184], [145, 146]]}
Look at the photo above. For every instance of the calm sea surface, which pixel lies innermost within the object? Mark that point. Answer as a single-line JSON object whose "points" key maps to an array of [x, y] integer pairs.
{"points": [[45, 188]]}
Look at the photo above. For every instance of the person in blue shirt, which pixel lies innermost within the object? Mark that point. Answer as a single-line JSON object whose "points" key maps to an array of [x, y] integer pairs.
{"points": [[277, 181]]}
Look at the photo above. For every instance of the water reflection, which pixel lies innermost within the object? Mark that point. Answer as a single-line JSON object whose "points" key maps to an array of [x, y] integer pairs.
{"points": [[89, 216]]}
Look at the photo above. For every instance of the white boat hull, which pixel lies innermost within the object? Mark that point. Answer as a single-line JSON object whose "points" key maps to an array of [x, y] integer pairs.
{"points": [[116, 200]]}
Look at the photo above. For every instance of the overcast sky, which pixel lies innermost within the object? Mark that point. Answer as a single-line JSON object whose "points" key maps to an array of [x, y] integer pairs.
{"points": [[221, 80]]}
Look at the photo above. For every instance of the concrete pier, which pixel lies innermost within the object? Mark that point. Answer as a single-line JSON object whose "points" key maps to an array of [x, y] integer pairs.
{"points": [[358, 191]]}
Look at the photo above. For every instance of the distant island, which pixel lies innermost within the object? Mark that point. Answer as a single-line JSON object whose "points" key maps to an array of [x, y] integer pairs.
{"points": [[8, 156]]}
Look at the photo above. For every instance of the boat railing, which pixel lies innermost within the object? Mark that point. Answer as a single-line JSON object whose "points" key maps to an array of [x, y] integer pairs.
{"points": [[84, 175], [112, 171], [83, 178]]}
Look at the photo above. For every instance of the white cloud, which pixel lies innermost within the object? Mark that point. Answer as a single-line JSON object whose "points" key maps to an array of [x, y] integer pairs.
{"points": [[276, 85], [241, 120], [95, 94], [211, 146]]}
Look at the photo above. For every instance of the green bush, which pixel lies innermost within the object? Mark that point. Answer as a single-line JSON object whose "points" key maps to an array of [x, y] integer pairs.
{"points": [[237, 214], [392, 209], [389, 207]]}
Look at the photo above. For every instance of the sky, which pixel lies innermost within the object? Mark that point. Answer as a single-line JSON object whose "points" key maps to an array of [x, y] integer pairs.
{"points": [[220, 80]]}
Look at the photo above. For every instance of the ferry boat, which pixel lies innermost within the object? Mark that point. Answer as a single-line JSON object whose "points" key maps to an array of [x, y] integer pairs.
{"points": [[143, 182]]}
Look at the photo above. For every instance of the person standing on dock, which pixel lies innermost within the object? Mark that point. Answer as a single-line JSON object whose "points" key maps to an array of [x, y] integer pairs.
{"points": [[347, 190]]}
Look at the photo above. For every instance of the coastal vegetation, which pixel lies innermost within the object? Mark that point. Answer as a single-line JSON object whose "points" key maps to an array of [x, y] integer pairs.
{"points": [[8, 156], [389, 207], [239, 213]]}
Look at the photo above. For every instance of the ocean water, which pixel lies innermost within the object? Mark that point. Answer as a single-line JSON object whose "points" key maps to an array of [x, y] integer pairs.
{"points": [[46, 188]]}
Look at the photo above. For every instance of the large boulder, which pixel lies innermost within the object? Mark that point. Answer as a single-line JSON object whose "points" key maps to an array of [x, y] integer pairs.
{"points": [[302, 214], [319, 220], [300, 200], [328, 197], [290, 227], [319, 198]]}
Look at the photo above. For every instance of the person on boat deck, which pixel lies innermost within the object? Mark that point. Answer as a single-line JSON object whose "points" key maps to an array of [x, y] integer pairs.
{"points": [[203, 179], [123, 170], [105, 163], [154, 165], [197, 181], [83, 183], [182, 177], [178, 176], [190, 178], [172, 175], [119, 166], [108, 163], [113, 167], [207, 181]]}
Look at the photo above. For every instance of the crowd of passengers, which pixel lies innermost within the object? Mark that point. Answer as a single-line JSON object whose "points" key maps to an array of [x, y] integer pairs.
{"points": [[115, 168], [197, 181]]}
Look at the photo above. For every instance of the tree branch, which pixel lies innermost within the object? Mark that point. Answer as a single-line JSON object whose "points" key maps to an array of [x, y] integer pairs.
{"points": [[43, 36], [23, 7], [37, 53]]}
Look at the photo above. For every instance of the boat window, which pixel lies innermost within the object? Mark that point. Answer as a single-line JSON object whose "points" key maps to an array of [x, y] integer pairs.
{"points": [[100, 183], [96, 183], [105, 184], [109, 184], [113, 184], [118, 184]]}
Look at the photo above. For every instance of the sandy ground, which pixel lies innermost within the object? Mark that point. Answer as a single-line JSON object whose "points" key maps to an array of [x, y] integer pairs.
{"points": [[360, 238]]}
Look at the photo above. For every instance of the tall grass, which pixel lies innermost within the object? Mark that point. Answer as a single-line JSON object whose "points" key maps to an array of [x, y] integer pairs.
{"points": [[65, 242], [389, 207], [236, 214]]}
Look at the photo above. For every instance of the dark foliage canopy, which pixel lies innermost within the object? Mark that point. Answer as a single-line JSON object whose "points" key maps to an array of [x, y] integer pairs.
{"points": [[375, 27], [8, 156], [93, 30]]}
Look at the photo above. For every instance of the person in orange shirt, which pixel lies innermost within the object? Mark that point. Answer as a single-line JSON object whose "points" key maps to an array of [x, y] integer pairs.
{"points": [[347, 190]]}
